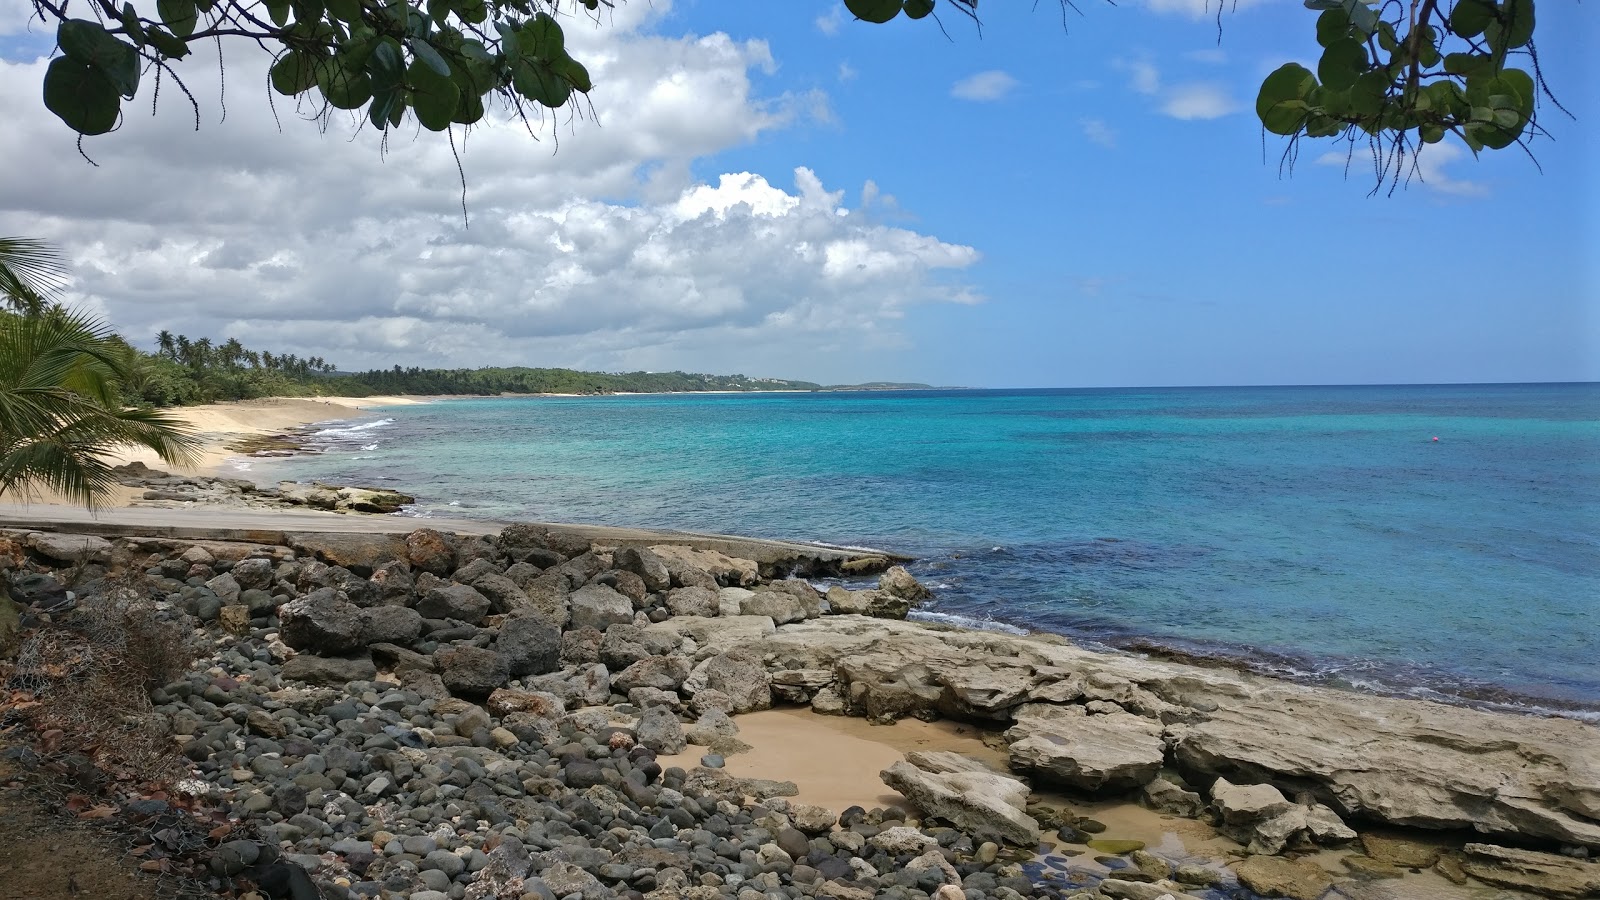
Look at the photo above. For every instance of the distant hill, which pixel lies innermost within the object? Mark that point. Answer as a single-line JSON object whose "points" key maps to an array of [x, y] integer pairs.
{"points": [[524, 380], [882, 386]]}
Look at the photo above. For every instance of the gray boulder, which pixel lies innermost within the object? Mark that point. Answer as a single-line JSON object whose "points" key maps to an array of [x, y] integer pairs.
{"points": [[503, 593], [966, 794], [390, 625], [226, 587], [624, 645], [660, 730], [693, 601], [665, 673], [547, 596], [472, 671], [584, 686], [599, 607], [472, 571], [739, 675], [1260, 816], [644, 563], [454, 601], [782, 607], [1115, 752], [530, 646], [321, 622], [334, 671], [255, 573]]}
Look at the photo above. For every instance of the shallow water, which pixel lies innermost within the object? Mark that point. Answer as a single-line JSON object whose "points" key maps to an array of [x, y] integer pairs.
{"points": [[1318, 532]]}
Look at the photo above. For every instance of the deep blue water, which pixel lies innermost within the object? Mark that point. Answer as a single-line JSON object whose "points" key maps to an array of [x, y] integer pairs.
{"points": [[1318, 532]]}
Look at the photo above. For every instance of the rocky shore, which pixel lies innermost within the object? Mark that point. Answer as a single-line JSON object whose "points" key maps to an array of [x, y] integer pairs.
{"points": [[167, 490], [443, 717]]}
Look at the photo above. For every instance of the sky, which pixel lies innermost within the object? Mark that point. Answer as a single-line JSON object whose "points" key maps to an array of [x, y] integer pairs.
{"points": [[775, 189]]}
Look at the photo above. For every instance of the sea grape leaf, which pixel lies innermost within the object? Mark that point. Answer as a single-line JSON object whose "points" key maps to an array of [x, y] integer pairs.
{"points": [[180, 16], [434, 97], [90, 43], [878, 11], [81, 95]]}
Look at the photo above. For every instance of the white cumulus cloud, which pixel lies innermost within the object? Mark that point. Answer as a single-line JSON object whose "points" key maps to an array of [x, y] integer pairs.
{"points": [[991, 85], [1197, 101], [591, 247]]}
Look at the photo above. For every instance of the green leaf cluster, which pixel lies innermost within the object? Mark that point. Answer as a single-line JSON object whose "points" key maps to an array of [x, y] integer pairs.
{"points": [[1444, 74]]}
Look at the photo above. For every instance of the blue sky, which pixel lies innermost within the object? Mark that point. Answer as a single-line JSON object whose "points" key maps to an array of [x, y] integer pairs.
{"points": [[1168, 251], [1087, 207]]}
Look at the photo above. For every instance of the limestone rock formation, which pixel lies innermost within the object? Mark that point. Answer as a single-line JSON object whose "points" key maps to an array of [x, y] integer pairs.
{"points": [[966, 794]]}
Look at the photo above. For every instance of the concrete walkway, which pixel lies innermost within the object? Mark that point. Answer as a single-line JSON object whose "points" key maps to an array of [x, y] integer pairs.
{"points": [[268, 526]]}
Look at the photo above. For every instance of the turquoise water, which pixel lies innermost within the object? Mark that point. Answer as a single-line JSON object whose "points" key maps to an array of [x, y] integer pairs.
{"points": [[1316, 532]]}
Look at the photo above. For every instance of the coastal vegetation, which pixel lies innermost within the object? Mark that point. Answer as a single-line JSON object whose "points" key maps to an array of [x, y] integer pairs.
{"points": [[1390, 77], [184, 371]]}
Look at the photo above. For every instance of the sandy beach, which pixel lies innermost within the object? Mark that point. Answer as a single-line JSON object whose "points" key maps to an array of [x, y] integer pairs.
{"points": [[221, 426]]}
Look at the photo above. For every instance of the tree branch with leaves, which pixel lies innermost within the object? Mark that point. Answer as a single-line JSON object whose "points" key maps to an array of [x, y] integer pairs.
{"points": [[1397, 74]]}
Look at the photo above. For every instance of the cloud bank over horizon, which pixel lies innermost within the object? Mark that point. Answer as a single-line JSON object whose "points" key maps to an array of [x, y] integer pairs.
{"points": [[593, 246]]}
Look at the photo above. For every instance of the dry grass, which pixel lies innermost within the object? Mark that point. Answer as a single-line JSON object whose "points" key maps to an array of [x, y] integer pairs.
{"points": [[90, 674]]}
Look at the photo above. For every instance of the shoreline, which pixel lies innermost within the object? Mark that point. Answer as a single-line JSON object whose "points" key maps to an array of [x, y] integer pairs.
{"points": [[1375, 761], [227, 429]]}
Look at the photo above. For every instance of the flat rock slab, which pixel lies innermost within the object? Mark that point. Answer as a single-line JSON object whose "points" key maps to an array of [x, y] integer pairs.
{"points": [[1110, 752], [69, 548], [971, 798], [1274, 876], [1397, 761], [1546, 874]]}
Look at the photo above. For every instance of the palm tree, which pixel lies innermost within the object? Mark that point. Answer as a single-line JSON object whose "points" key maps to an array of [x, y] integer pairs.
{"points": [[165, 345], [31, 274], [61, 416]]}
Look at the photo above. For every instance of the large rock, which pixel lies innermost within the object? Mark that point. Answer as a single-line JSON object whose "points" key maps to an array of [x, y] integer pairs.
{"points": [[1546, 874], [503, 594], [644, 563], [547, 595], [781, 606], [1273, 876], [454, 601], [472, 671], [429, 551], [1260, 816], [1115, 752], [717, 634], [900, 583], [70, 548], [725, 570], [253, 574], [390, 625], [693, 601], [1378, 759], [964, 793], [660, 730], [321, 622], [624, 645], [531, 646], [599, 607], [665, 673], [362, 554], [738, 674], [335, 671], [879, 604]]}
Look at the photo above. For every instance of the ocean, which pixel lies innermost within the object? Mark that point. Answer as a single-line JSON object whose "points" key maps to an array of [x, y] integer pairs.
{"points": [[1434, 541]]}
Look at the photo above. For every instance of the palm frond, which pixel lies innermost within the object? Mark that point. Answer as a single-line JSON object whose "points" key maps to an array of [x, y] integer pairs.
{"points": [[32, 274]]}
